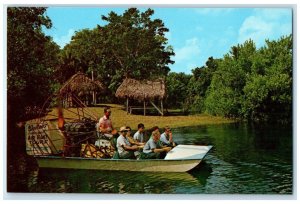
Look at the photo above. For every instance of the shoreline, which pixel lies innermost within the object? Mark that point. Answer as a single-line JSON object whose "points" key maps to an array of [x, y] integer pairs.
{"points": [[120, 118]]}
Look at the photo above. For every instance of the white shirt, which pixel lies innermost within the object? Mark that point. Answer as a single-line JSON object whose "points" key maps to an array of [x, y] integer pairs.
{"points": [[121, 141], [139, 136], [164, 138]]}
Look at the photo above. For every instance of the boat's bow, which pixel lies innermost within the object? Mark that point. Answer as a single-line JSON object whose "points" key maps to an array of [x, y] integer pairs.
{"points": [[188, 152]]}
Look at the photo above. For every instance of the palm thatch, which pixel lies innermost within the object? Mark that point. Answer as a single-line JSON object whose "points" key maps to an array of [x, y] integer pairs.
{"points": [[80, 84], [141, 90]]}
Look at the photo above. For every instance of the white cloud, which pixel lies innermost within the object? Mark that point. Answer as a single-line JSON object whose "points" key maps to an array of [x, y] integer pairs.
{"points": [[255, 28], [266, 24], [63, 40], [189, 51]]}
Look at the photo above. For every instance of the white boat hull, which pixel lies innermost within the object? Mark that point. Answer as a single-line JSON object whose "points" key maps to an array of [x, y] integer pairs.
{"points": [[182, 158], [159, 165]]}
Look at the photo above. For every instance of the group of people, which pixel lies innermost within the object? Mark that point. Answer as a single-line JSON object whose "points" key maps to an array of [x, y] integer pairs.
{"points": [[136, 147]]}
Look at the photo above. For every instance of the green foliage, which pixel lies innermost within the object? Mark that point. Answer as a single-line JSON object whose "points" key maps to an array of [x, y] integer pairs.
{"points": [[198, 85], [177, 89], [31, 59], [253, 84], [268, 91], [224, 97], [246, 83], [129, 45], [82, 54]]}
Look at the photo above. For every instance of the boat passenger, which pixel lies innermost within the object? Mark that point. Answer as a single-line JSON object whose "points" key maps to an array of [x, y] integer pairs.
{"points": [[139, 135], [153, 148], [132, 140], [125, 149], [105, 124], [167, 137]]}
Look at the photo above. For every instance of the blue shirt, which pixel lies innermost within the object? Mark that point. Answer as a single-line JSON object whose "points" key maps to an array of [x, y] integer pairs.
{"points": [[151, 145]]}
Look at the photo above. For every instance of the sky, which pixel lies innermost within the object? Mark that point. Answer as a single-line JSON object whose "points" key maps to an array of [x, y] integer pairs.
{"points": [[194, 33]]}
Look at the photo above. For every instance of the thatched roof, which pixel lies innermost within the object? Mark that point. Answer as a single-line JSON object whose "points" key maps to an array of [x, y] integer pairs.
{"points": [[81, 84], [140, 90]]}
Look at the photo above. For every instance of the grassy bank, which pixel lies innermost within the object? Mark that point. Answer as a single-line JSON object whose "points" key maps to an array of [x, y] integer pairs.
{"points": [[121, 118]]}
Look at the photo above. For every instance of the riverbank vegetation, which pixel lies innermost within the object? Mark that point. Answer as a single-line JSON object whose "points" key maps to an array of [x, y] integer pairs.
{"points": [[247, 83]]}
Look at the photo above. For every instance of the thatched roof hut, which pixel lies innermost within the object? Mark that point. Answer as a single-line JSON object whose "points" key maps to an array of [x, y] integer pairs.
{"points": [[141, 90], [81, 84]]}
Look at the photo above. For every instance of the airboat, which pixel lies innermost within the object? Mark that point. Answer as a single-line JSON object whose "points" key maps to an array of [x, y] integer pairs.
{"points": [[56, 141]]}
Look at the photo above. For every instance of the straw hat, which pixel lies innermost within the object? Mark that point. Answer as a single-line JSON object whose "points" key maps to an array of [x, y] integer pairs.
{"points": [[122, 129]]}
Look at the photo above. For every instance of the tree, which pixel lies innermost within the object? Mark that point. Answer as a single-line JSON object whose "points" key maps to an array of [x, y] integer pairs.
{"points": [[31, 58], [31, 61], [268, 91], [137, 44], [177, 89], [253, 84], [129, 45], [198, 85], [225, 94]]}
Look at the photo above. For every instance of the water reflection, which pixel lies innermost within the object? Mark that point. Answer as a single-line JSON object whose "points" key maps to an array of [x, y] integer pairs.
{"points": [[93, 181]]}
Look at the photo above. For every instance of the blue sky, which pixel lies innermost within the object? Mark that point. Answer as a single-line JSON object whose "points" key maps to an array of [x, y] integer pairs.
{"points": [[195, 33]]}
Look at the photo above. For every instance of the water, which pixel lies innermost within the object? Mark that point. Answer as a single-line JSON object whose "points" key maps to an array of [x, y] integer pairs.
{"points": [[244, 160]]}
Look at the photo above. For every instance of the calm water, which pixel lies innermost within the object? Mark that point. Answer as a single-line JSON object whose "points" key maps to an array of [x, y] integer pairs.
{"points": [[244, 160]]}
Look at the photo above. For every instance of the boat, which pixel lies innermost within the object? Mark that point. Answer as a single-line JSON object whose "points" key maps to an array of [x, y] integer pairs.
{"points": [[181, 158], [58, 142]]}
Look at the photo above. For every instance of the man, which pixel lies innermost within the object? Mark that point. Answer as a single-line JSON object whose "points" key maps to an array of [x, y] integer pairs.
{"points": [[125, 150], [132, 141], [139, 135], [104, 127], [153, 148], [167, 137], [105, 124]]}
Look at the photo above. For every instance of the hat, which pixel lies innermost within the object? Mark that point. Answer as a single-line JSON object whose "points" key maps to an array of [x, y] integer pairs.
{"points": [[123, 128]]}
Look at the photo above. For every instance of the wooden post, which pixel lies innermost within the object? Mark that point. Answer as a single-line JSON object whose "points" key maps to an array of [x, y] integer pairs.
{"points": [[162, 107], [127, 101], [156, 108], [94, 97], [144, 107]]}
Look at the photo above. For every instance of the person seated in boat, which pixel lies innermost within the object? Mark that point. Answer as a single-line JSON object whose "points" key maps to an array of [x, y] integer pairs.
{"points": [[132, 140], [154, 128], [125, 149], [105, 126], [167, 137], [139, 135], [153, 149]]}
